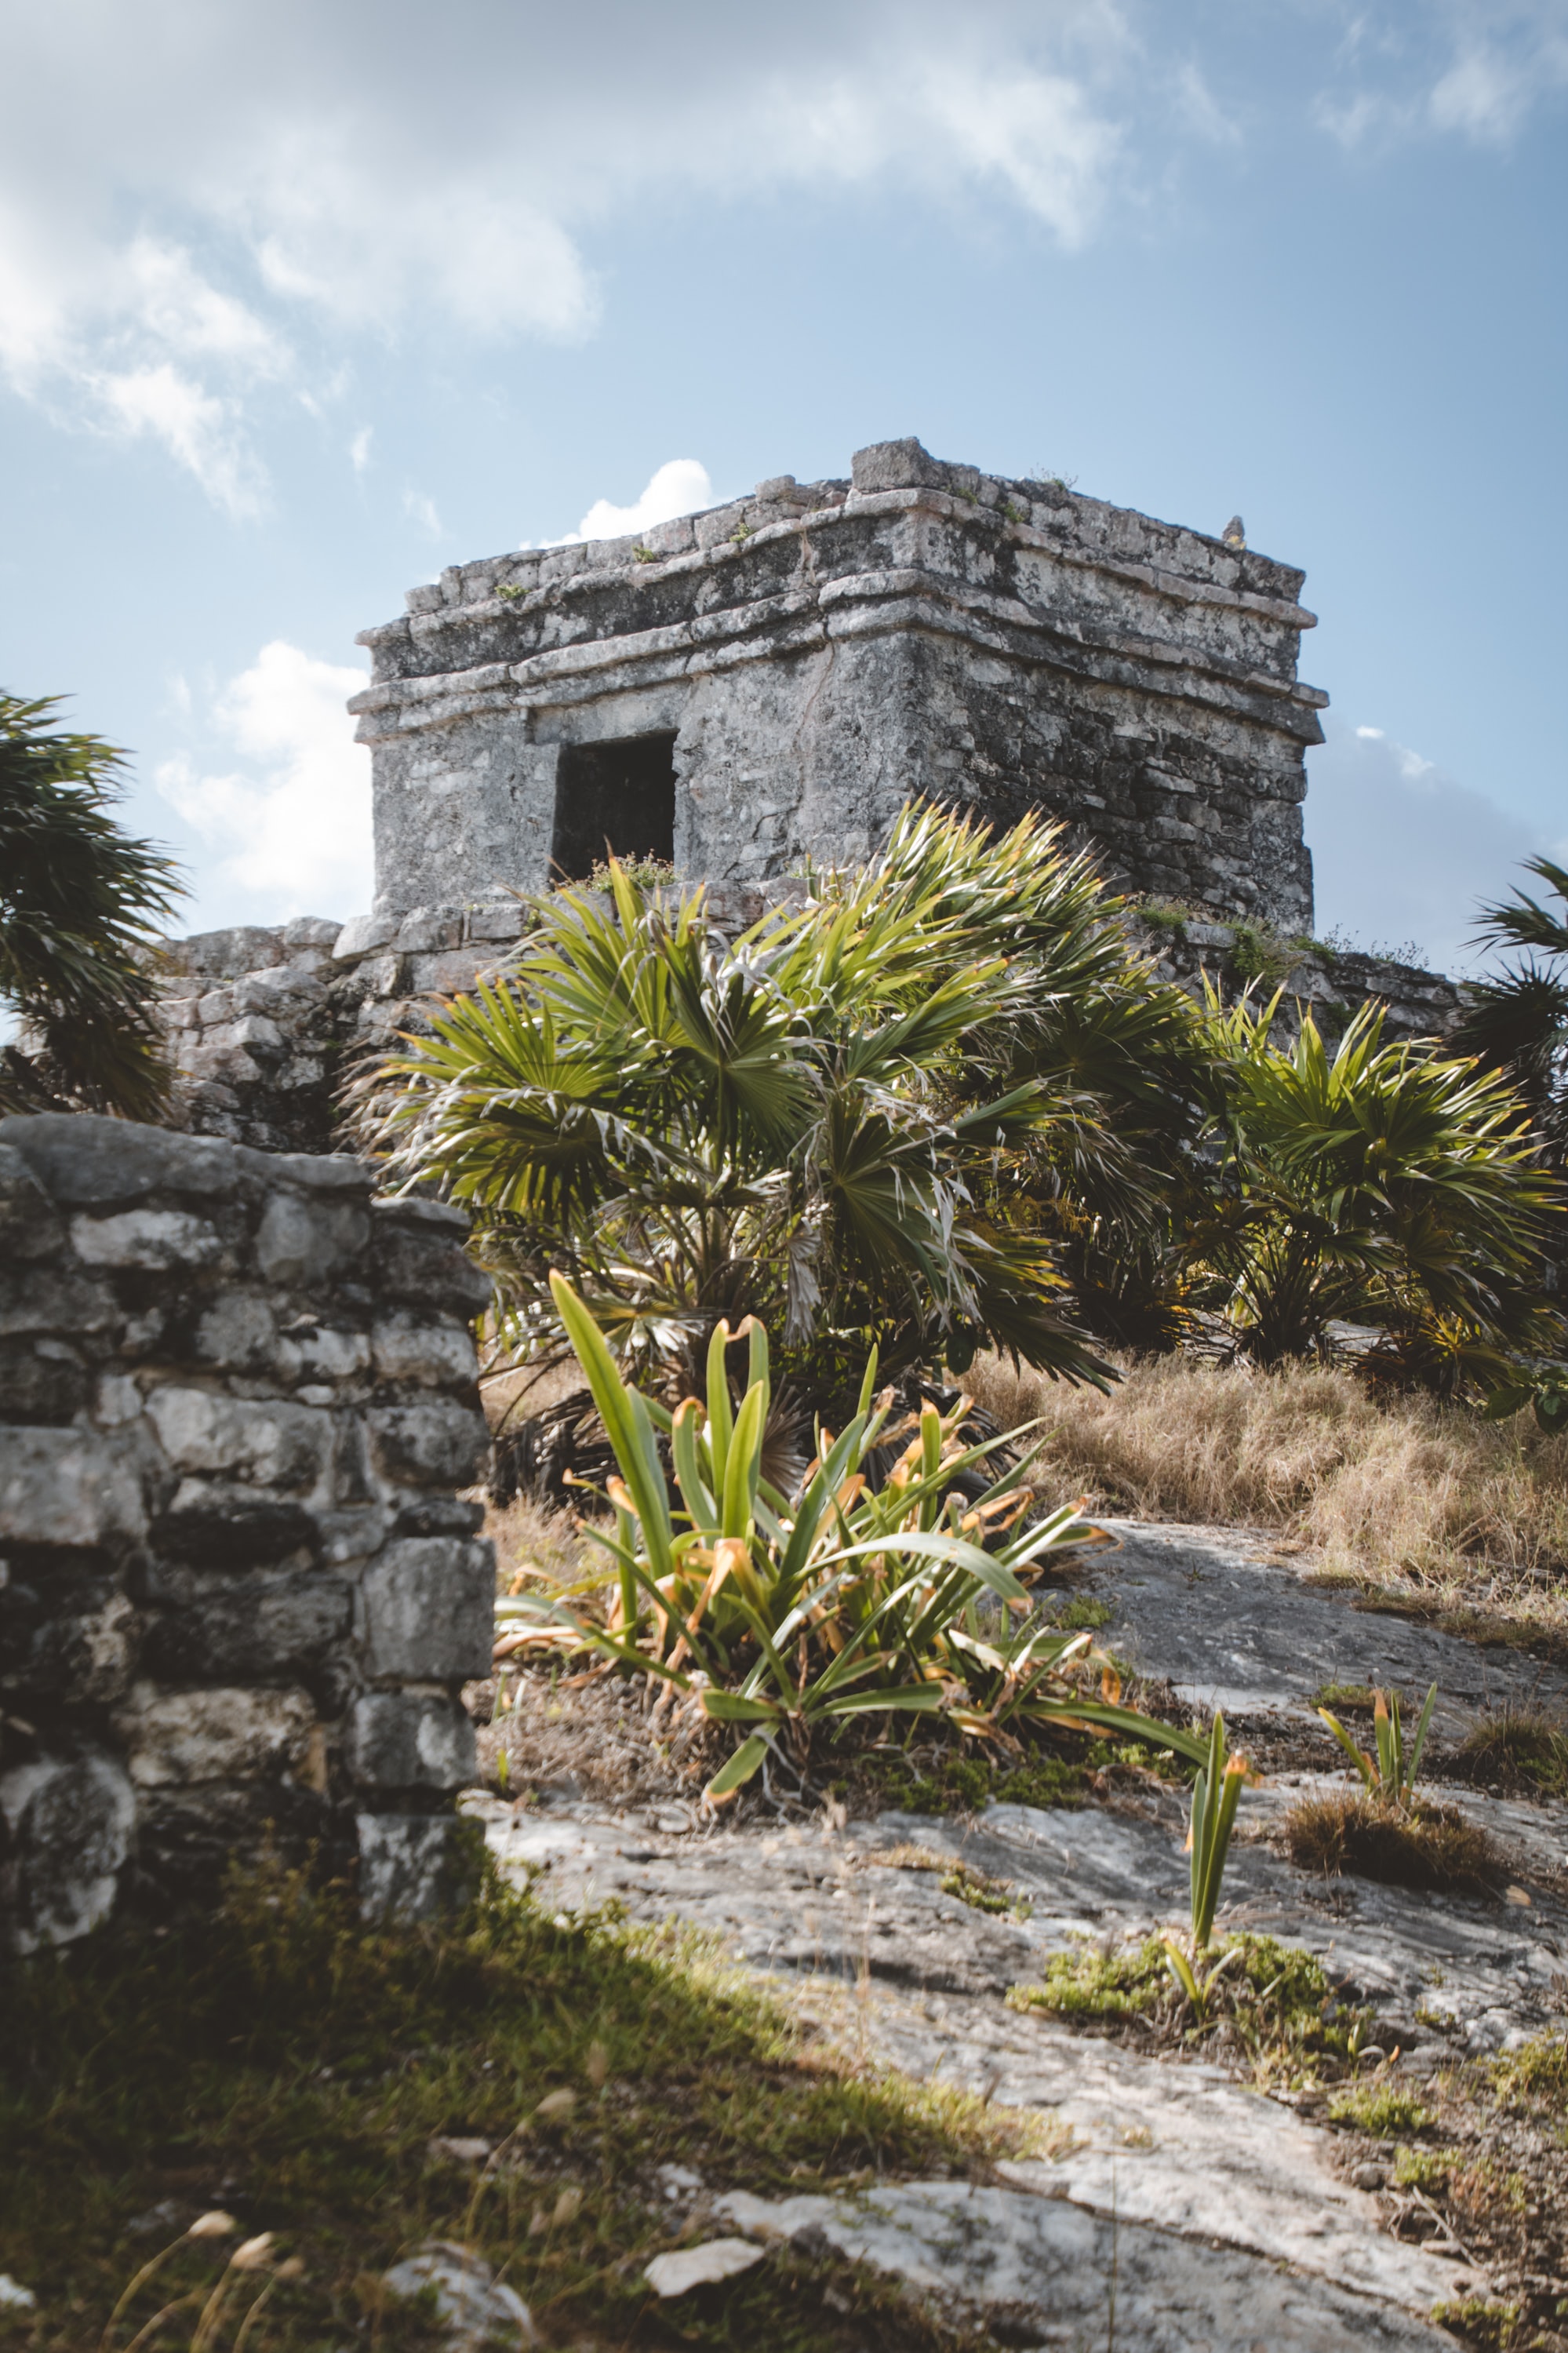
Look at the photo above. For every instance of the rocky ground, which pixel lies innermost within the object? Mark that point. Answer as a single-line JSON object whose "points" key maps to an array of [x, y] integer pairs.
{"points": [[1179, 2199]]}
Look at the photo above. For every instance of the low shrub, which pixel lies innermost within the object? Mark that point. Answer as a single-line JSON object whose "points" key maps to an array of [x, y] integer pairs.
{"points": [[1423, 1846]]}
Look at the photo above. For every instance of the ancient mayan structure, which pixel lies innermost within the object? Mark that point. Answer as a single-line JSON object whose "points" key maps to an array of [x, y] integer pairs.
{"points": [[765, 684]]}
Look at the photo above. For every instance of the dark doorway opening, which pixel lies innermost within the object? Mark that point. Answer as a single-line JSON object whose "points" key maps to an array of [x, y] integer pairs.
{"points": [[618, 797]]}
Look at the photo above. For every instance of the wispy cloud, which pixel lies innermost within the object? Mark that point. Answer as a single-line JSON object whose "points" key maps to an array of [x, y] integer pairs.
{"points": [[421, 509], [1472, 69]]}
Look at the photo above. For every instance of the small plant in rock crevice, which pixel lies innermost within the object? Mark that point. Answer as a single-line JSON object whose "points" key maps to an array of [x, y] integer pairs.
{"points": [[1388, 1775], [1216, 1792]]}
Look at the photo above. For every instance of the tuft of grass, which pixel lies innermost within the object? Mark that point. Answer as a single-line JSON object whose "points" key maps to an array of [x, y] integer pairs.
{"points": [[1489, 2325], [1451, 1517], [294, 2065], [1083, 1610], [1354, 1696], [1534, 2076], [983, 1893], [1274, 2001], [1381, 2109], [1422, 1846], [1427, 2169], [1522, 1748]]}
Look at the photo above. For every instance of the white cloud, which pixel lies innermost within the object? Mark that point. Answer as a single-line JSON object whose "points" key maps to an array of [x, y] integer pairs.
{"points": [[358, 449], [197, 428], [292, 827], [1474, 68], [1402, 852], [421, 509], [197, 206], [678, 486]]}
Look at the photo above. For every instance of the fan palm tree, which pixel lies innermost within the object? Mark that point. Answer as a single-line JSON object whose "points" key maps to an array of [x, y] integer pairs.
{"points": [[1518, 1023], [879, 1114], [78, 904], [1392, 1184]]}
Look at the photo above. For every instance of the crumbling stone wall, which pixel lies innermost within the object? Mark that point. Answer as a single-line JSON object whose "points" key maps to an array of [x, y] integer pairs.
{"points": [[237, 1587], [263, 1025]]}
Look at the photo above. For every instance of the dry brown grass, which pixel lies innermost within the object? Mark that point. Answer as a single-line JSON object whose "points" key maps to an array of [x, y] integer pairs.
{"points": [[1428, 1846], [1446, 1513]]}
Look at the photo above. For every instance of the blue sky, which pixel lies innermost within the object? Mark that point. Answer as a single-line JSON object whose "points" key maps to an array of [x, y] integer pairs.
{"points": [[297, 304]]}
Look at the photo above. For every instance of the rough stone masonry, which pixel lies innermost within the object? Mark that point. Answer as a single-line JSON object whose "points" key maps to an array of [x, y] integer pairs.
{"points": [[767, 683], [239, 1592]]}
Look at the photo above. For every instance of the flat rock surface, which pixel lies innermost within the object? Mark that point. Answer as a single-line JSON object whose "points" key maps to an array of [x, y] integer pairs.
{"points": [[1222, 2212], [1235, 1625]]}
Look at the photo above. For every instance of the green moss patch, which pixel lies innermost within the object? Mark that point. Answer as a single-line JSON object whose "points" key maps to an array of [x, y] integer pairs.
{"points": [[1273, 1999], [1380, 2109]]}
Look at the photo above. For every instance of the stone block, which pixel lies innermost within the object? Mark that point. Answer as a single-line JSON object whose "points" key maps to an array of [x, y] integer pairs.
{"points": [[248, 1626], [55, 1299], [261, 1439], [312, 931], [239, 1333], [233, 1734], [30, 1226], [409, 1740], [361, 934], [68, 1487], [414, 1866], [80, 1159], [216, 1525], [450, 974], [897, 466], [502, 919], [438, 1516], [38, 1388], [158, 1239], [436, 1355], [302, 1242], [421, 1260], [424, 930], [224, 954], [434, 1445], [429, 1610], [81, 1657], [71, 1826], [325, 1354]]}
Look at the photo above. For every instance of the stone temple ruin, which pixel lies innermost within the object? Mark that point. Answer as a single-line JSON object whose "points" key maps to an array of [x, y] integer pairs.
{"points": [[768, 682], [239, 1585]]}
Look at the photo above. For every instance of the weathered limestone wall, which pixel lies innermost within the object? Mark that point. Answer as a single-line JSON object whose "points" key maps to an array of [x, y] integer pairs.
{"points": [[237, 1585], [265, 1024], [821, 652]]}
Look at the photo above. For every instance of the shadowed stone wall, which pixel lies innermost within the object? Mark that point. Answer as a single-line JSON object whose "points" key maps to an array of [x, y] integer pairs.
{"points": [[237, 1588]]}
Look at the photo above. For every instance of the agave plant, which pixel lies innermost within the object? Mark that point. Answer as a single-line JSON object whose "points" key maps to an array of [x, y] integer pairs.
{"points": [[1392, 1184], [889, 1113], [785, 1615], [1389, 1776]]}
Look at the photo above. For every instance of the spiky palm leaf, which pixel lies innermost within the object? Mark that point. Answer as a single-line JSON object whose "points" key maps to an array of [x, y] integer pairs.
{"points": [[867, 1115], [78, 901]]}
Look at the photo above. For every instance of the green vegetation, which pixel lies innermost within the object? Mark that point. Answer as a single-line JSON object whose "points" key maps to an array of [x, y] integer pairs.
{"points": [[1489, 2326], [291, 2063], [1535, 2075], [1389, 1183], [1360, 1697], [1419, 1845], [1380, 2109], [1522, 1747], [1274, 1999], [791, 1618], [1424, 2169], [1389, 1776], [905, 1113], [79, 906]]}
